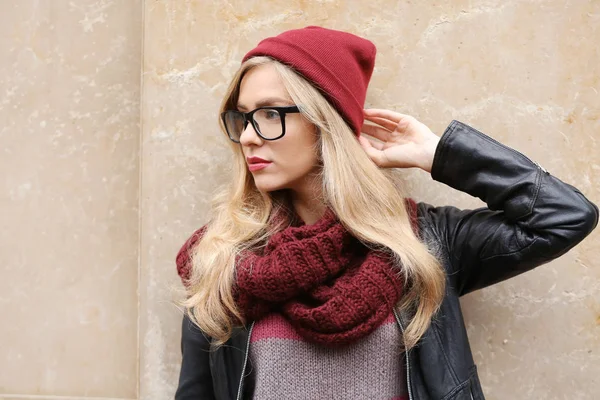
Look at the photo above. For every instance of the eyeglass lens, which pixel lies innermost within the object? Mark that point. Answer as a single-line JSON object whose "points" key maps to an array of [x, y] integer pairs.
{"points": [[267, 121]]}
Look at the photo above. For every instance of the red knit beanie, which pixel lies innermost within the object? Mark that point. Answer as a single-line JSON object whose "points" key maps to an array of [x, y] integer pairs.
{"points": [[339, 63]]}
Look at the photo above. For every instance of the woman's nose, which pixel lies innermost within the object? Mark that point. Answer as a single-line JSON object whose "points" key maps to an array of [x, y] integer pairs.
{"points": [[249, 135]]}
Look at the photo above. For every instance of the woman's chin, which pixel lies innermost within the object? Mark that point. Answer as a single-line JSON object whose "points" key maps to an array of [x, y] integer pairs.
{"points": [[267, 185]]}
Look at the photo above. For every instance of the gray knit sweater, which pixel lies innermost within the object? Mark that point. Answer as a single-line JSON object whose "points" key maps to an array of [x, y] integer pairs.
{"points": [[285, 366]]}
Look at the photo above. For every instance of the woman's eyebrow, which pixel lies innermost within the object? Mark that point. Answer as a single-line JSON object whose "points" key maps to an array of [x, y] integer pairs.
{"points": [[269, 101]]}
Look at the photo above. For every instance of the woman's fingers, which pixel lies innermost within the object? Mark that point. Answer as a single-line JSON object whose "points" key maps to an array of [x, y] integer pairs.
{"points": [[386, 137], [387, 114], [377, 132], [374, 154], [373, 143], [386, 123]]}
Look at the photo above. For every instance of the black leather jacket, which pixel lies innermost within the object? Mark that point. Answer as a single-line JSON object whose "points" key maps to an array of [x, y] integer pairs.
{"points": [[531, 218]]}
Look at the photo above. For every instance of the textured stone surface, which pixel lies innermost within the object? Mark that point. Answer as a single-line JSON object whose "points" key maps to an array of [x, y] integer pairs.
{"points": [[525, 73], [69, 128]]}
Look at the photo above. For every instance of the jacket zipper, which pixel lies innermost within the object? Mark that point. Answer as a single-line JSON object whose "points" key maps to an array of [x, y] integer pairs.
{"points": [[399, 320], [239, 393], [518, 153], [410, 397]]}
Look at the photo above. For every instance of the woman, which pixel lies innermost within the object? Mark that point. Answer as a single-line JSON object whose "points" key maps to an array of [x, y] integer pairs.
{"points": [[315, 277]]}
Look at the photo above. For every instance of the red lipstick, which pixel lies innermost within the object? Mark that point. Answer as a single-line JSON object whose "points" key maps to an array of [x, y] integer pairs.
{"points": [[257, 163]]}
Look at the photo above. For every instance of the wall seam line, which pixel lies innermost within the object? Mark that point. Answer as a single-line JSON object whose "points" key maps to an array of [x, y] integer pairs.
{"points": [[140, 197], [49, 397]]}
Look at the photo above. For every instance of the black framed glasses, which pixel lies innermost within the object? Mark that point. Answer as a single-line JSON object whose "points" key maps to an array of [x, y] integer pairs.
{"points": [[268, 122]]}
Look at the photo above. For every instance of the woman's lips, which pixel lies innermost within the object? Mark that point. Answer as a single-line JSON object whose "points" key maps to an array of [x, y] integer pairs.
{"points": [[258, 166]]}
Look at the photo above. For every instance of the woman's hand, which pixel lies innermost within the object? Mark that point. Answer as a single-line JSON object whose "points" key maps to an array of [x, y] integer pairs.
{"points": [[405, 142]]}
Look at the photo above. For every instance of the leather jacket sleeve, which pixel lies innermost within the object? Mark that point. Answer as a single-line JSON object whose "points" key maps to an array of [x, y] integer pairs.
{"points": [[531, 216], [195, 380]]}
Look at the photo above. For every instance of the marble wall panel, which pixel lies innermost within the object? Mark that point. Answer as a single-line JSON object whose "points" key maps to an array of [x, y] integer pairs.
{"points": [[526, 73], [69, 134]]}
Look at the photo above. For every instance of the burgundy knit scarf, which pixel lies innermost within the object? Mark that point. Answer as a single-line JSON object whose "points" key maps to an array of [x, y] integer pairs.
{"points": [[328, 285]]}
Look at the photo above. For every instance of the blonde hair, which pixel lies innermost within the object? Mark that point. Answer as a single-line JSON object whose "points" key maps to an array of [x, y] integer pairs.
{"points": [[363, 196]]}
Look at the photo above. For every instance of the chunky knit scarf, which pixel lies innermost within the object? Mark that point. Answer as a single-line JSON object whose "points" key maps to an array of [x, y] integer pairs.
{"points": [[330, 287]]}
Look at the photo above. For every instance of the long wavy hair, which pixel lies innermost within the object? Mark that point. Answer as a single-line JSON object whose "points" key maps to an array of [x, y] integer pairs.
{"points": [[365, 198]]}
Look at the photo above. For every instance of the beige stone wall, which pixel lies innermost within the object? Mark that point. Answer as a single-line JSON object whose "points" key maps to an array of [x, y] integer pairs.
{"points": [[94, 204], [69, 235]]}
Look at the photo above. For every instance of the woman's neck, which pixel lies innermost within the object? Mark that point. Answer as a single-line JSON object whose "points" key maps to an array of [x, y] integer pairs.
{"points": [[309, 207]]}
